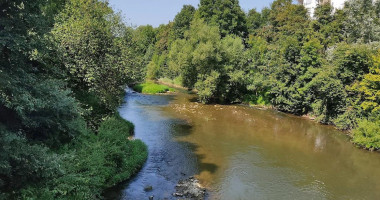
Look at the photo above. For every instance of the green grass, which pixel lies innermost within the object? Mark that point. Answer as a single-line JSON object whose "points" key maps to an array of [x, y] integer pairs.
{"points": [[152, 88]]}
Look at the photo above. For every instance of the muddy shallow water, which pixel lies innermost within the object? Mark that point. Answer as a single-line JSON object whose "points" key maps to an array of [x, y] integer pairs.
{"points": [[238, 152]]}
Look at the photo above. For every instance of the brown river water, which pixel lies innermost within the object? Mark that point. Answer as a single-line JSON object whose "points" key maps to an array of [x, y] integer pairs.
{"points": [[238, 152]]}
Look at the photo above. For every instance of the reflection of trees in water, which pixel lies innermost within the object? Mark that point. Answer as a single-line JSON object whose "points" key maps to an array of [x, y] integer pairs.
{"points": [[321, 154]]}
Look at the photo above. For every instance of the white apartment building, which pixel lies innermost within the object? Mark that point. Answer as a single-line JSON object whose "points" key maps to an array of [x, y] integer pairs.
{"points": [[312, 4]]}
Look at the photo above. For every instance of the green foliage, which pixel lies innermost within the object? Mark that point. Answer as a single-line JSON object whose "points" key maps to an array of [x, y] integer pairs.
{"points": [[298, 66], [328, 27], [254, 20], [369, 87], [63, 63], [257, 99], [195, 54], [367, 134], [362, 21], [347, 120], [352, 61], [182, 21], [202, 60], [23, 163], [152, 88], [288, 18], [93, 163], [225, 14], [207, 86], [327, 96], [85, 33]]}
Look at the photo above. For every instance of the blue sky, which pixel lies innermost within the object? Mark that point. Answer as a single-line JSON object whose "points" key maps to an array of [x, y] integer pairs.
{"points": [[156, 12]]}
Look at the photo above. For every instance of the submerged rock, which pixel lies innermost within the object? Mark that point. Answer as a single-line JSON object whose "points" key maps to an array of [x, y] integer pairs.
{"points": [[148, 188], [190, 189]]}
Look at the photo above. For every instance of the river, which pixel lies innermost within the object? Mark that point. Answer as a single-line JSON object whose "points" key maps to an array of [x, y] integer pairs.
{"points": [[238, 152]]}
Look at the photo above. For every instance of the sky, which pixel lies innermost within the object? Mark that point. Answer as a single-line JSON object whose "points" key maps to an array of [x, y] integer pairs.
{"points": [[156, 12]]}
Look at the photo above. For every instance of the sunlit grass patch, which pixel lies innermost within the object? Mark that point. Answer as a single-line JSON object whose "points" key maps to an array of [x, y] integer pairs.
{"points": [[152, 88]]}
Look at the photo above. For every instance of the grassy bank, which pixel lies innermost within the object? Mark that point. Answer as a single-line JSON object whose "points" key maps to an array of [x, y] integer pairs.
{"points": [[93, 163], [152, 88]]}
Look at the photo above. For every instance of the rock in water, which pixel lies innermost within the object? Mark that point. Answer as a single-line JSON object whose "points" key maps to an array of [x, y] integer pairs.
{"points": [[190, 189], [148, 188]]}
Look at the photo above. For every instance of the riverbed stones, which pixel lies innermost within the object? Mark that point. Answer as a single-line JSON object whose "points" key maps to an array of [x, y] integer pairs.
{"points": [[190, 189]]}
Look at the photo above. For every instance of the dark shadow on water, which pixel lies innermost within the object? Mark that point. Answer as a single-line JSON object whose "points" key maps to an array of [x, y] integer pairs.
{"points": [[174, 173], [202, 166], [193, 99], [181, 129], [210, 167]]}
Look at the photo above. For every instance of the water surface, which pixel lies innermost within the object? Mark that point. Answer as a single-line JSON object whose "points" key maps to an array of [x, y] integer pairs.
{"points": [[239, 152]]}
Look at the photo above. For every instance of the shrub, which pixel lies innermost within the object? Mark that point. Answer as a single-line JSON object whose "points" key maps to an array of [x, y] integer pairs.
{"points": [[367, 134], [94, 162]]}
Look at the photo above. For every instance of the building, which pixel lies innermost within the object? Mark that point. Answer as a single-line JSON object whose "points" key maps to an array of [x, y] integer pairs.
{"points": [[312, 4]]}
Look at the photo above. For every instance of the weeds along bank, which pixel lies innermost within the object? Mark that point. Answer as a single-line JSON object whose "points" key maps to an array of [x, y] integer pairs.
{"points": [[326, 67], [63, 68]]}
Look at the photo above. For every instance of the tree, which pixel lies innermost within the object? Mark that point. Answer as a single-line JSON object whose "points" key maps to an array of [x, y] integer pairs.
{"points": [[254, 20], [289, 19], [352, 62], [37, 111], [225, 14], [42, 129], [328, 25], [88, 36], [182, 21], [369, 88], [195, 54], [363, 21]]}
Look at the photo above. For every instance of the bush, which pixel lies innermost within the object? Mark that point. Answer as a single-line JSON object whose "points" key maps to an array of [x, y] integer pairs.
{"points": [[23, 163], [367, 134], [260, 99], [94, 162]]}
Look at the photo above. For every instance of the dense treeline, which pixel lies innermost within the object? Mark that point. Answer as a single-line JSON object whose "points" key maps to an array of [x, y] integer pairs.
{"points": [[326, 67], [63, 68]]}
